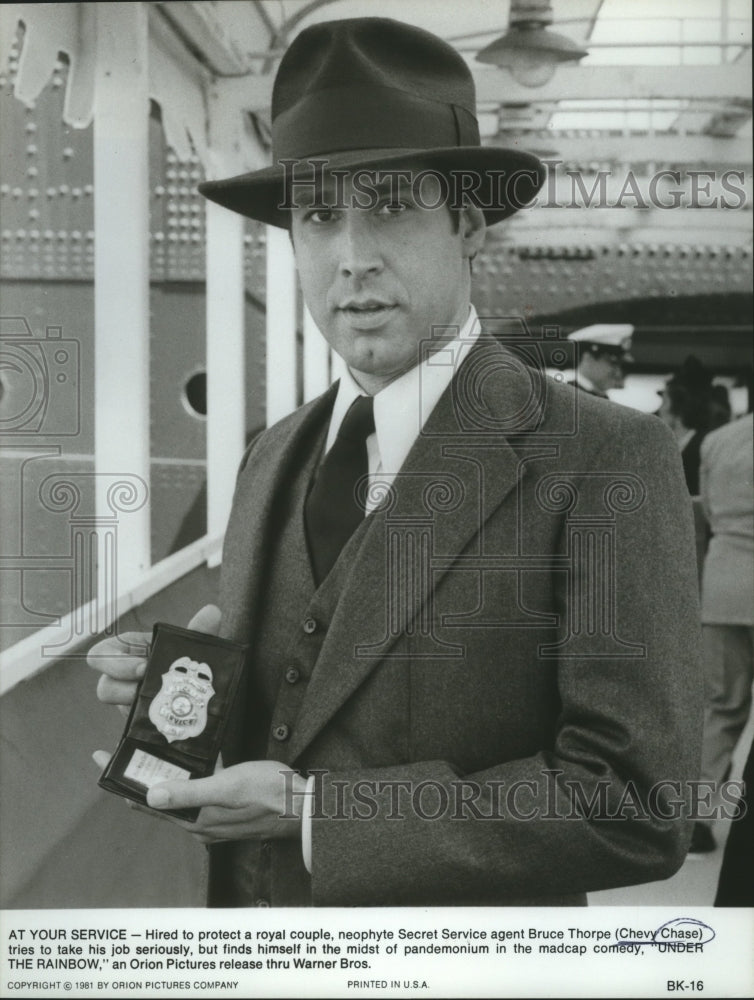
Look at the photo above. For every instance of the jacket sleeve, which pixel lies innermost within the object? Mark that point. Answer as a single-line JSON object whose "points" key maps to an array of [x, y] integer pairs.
{"points": [[606, 803]]}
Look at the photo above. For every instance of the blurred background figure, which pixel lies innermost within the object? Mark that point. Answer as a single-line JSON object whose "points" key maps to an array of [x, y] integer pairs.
{"points": [[603, 352], [690, 404], [720, 411], [736, 884], [727, 496]]}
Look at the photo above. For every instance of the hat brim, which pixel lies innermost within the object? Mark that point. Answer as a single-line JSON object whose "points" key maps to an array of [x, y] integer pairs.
{"points": [[606, 350], [509, 179]]}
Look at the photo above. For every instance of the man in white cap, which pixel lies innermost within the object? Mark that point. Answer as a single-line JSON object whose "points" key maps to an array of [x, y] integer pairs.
{"points": [[603, 351], [449, 699]]}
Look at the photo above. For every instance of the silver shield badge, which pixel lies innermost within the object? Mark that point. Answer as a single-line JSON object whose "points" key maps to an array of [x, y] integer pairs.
{"points": [[179, 710]]}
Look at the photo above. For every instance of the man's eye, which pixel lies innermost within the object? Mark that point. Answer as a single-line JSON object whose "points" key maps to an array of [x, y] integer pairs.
{"points": [[320, 215], [393, 208]]}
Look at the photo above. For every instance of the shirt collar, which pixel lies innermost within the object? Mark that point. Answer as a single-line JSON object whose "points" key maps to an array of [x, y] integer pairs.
{"points": [[402, 408]]}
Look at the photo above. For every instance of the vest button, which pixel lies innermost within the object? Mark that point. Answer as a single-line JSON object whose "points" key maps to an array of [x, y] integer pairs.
{"points": [[262, 902], [281, 733], [310, 626], [292, 675]]}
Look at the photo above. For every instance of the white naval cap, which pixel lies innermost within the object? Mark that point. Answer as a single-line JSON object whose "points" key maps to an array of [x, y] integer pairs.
{"points": [[609, 337]]}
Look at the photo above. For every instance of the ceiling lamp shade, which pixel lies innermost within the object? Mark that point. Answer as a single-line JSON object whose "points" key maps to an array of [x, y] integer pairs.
{"points": [[531, 52]]}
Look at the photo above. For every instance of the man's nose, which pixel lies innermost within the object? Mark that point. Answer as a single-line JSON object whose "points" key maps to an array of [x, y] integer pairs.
{"points": [[359, 249]]}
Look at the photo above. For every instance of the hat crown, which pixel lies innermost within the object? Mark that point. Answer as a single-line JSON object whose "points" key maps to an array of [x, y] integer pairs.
{"points": [[374, 94], [616, 336], [372, 52]]}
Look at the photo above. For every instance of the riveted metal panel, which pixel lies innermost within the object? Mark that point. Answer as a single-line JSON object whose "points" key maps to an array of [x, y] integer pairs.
{"points": [[536, 279], [47, 190]]}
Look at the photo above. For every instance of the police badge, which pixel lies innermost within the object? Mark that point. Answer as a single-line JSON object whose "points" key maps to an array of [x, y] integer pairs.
{"points": [[179, 715], [179, 711]]}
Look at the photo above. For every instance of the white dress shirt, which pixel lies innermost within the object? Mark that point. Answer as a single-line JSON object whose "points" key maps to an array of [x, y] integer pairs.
{"points": [[401, 410]]}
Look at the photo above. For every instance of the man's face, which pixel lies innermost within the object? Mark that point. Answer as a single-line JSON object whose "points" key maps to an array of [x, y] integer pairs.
{"points": [[605, 372], [378, 279]]}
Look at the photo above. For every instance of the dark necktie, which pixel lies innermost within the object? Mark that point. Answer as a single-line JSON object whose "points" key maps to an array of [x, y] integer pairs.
{"points": [[332, 512]]}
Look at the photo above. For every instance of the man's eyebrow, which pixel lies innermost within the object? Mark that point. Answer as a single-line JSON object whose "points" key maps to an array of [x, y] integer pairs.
{"points": [[327, 193], [395, 184], [310, 196]]}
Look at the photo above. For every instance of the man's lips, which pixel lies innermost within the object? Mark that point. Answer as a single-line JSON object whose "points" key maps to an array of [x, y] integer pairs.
{"points": [[367, 314], [365, 305]]}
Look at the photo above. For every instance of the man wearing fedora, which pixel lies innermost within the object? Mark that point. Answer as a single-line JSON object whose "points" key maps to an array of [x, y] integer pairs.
{"points": [[472, 675]]}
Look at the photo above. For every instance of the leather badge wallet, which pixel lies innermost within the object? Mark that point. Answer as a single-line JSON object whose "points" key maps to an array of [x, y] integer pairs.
{"points": [[179, 715]]}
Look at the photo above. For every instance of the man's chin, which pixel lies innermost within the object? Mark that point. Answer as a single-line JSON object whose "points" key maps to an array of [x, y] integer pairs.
{"points": [[374, 372], [373, 356]]}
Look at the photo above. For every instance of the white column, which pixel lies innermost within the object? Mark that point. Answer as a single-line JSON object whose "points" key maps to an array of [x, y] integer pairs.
{"points": [[121, 275], [226, 382], [316, 359], [281, 325]]}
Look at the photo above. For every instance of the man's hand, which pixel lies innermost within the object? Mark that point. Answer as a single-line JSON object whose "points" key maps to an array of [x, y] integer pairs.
{"points": [[122, 659], [242, 802], [256, 800]]}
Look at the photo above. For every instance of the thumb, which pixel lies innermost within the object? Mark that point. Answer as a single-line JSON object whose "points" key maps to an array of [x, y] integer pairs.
{"points": [[195, 794], [101, 758], [206, 620]]}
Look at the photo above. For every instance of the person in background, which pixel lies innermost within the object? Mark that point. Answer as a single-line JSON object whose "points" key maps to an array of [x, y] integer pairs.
{"points": [[727, 495], [720, 411], [686, 409], [603, 353], [690, 408], [736, 883]]}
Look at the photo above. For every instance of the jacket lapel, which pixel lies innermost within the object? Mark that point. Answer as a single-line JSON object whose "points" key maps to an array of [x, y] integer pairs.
{"points": [[460, 470], [252, 521]]}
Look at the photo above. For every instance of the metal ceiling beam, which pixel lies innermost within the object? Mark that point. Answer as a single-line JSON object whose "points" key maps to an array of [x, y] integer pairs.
{"points": [[639, 148], [569, 83], [587, 82], [723, 121], [728, 121], [206, 34]]}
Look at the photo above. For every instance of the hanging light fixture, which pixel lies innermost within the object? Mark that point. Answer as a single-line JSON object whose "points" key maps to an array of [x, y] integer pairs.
{"points": [[528, 48]]}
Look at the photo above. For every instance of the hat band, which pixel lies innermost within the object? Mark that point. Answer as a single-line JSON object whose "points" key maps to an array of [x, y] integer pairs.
{"points": [[335, 121]]}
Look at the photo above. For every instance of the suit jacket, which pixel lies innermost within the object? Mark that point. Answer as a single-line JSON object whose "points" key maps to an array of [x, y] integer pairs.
{"points": [[507, 700]]}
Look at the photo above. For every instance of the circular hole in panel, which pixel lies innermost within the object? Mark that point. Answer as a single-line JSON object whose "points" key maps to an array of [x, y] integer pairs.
{"points": [[195, 394]]}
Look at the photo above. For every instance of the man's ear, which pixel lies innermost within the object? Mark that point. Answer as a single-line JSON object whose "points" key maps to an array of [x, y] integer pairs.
{"points": [[472, 229]]}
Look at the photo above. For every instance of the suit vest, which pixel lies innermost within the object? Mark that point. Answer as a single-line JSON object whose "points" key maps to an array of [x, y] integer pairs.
{"points": [[293, 618]]}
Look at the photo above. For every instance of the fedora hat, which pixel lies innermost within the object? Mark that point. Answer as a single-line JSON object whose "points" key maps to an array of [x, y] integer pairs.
{"points": [[378, 94]]}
